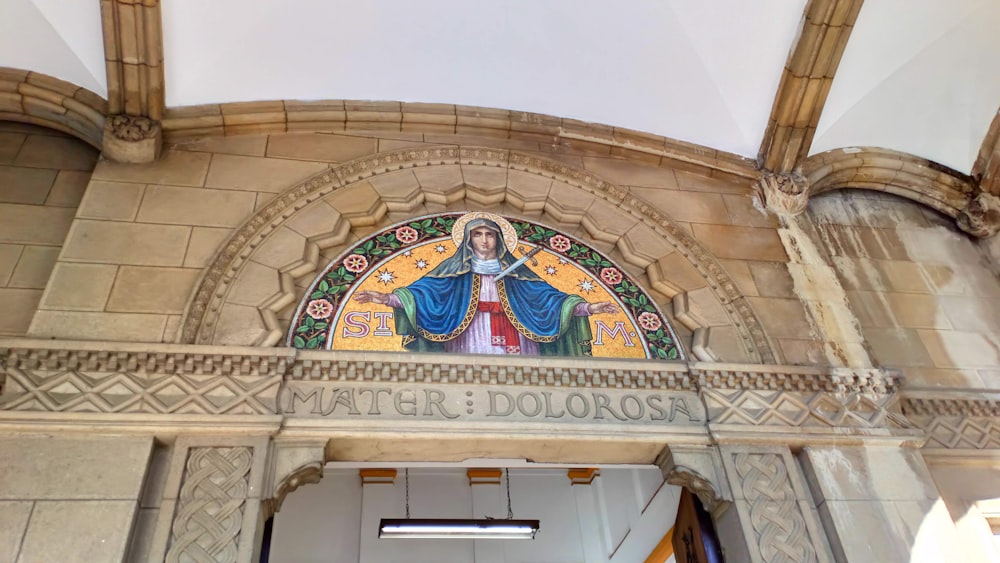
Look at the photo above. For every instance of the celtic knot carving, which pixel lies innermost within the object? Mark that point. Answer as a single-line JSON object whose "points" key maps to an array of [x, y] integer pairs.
{"points": [[210, 509], [774, 513]]}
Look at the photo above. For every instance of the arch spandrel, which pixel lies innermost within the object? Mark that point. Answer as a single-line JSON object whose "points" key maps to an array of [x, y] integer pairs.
{"points": [[338, 207]]}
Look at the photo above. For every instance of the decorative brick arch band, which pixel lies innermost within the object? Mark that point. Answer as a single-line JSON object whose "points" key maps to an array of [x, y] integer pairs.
{"points": [[374, 190]]}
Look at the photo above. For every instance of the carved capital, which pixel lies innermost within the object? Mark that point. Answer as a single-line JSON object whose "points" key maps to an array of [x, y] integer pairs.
{"points": [[782, 194], [130, 138], [981, 216]]}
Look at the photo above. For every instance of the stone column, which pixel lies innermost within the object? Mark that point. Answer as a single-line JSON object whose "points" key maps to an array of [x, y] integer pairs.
{"points": [[211, 508], [880, 504], [772, 511], [133, 50]]}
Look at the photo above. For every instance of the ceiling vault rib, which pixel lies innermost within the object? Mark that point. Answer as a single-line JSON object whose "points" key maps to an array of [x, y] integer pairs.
{"points": [[133, 52], [805, 83], [986, 170]]}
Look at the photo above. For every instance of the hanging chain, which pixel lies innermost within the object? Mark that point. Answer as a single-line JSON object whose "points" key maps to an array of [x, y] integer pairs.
{"points": [[510, 511], [406, 473]]}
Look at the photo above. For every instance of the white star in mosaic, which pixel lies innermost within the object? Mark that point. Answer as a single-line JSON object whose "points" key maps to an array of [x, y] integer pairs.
{"points": [[586, 286], [386, 277]]}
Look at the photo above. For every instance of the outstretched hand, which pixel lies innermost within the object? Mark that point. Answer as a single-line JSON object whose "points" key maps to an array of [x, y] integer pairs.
{"points": [[604, 307], [368, 296]]}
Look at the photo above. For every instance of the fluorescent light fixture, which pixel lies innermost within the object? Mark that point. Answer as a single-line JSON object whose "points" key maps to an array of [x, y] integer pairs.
{"points": [[442, 528]]}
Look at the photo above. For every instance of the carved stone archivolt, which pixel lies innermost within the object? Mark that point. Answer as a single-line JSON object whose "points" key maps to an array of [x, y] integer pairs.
{"points": [[203, 315], [209, 518]]}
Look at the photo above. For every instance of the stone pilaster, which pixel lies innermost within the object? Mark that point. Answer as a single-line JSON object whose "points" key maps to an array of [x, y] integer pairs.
{"points": [[211, 508], [880, 504], [772, 508]]}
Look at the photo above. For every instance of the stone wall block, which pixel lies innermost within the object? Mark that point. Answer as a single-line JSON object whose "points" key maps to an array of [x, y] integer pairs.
{"points": [[78, 531], [73, 468], [13, 523]]}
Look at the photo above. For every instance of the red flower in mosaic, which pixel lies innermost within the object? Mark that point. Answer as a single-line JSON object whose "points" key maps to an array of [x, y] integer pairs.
{"points": [[319, 309], [649, 321], [611, 275], [559, 243], [355, 263], [406, 235]]}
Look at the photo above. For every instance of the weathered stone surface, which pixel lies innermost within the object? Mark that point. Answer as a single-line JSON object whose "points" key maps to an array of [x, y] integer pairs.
{"points": [[73, 468], [96, 530]]}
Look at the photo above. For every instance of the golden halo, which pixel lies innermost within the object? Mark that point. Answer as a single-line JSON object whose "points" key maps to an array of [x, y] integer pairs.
{"points": [[506, 229]]}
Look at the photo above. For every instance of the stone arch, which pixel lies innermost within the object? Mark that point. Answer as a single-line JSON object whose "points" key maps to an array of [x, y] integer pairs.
{"points": [[44, 100], [885, 170], [259, 274]]}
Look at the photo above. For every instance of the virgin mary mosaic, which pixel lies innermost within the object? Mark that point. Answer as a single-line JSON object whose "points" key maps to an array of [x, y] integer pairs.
{"points": [[483, 284]]}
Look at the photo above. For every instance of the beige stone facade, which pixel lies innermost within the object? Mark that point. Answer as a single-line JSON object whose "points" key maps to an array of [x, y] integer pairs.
{"points": [[838, 311], [841, 375]]}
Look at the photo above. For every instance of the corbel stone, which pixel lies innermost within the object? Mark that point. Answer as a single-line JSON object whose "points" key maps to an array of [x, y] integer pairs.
{"points": [[290, 465], [700, 470], [784, 194], [130, 138], [133, 47], [981, 216]]}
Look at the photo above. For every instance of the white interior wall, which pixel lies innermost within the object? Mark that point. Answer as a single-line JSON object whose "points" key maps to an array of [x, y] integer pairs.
{"points": [[620, 517]]}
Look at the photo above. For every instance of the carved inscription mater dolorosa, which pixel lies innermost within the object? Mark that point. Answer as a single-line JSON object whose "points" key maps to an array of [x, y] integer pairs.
{"points": [[453, 402]]}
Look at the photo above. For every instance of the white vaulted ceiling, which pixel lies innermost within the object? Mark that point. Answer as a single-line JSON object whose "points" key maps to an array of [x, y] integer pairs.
{"points": [[55, 37], [917, 76]]}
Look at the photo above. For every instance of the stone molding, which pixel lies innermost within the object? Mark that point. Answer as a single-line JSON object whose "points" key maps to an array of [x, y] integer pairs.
{"points": [[88, 378], [209, 518], [784, 194], [278, 116], [816, 409], [202, 315], [805, 82], [44, 100], [968, 423], [883, 170], [79, 377]]}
